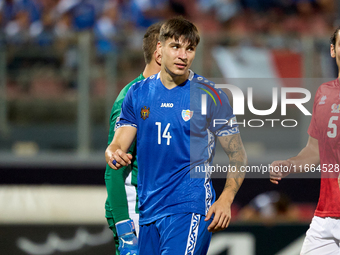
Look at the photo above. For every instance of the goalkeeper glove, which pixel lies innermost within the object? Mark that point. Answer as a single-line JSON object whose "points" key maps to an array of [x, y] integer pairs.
{"points": [[128, 243]]}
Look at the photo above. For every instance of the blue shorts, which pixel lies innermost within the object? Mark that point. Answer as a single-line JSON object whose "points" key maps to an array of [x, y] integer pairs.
{"points": [[176, 234]]}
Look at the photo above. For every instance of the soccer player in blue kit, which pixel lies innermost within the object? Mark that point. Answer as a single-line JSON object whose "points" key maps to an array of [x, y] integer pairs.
{"points": [[175, 137]]}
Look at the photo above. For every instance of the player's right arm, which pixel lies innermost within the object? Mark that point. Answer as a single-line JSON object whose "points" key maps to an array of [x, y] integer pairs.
{"points": [[118, 148], [309, 155]]}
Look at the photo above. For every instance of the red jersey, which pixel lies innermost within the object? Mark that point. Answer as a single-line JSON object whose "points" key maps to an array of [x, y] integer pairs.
{"points": [[325, 127]]}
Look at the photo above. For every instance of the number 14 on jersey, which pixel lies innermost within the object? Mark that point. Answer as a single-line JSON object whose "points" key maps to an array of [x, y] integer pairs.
{"points": [[166, 133]]}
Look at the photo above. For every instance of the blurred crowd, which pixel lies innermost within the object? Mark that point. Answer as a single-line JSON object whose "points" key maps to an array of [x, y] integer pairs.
{"points": [[41, 21], [119, 25]]}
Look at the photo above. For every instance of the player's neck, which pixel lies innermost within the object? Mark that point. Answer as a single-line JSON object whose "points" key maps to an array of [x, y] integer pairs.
{"points": [[151, 69], [171, 81]]}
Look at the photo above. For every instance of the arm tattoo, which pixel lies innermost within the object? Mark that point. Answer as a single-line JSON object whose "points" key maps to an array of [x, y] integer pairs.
{"points": [[233, 146]]}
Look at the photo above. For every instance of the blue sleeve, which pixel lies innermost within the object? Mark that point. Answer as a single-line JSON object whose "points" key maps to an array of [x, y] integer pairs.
{"points": [[127, 116], [222, 111]]}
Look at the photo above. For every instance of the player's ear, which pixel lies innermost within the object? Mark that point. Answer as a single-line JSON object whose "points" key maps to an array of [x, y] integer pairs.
{"points": [[332, 51], [158, 57], [159, 48]]}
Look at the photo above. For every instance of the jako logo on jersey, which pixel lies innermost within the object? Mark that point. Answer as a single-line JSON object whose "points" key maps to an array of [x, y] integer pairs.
{"points": [[335, 108], [323, 100], [187, 114], [145, 112], [167, 105]]}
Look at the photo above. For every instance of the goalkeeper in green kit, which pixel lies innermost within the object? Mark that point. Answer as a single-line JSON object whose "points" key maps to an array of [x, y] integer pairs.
{"points": [[121, 204]]}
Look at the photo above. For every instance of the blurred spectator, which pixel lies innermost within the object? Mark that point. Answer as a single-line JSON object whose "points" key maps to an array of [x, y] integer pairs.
{"points": [[106, 28], [269, 207], [63, 27], [32, 7], [65, 5], [7, 11], [146, 12], [83, 15], [31, 20], [17, 30], [223, 9], [42, 30]]}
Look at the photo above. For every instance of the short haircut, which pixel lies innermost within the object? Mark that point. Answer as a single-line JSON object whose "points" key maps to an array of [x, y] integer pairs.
{"points": [[178, 27], [334, 36], [150, 40]]}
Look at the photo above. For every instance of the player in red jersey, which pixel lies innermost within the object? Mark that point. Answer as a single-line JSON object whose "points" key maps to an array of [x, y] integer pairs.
{"points": [[323, 236]]}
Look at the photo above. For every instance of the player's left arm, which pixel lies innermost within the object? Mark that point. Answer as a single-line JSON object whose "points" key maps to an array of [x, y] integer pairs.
{"points": [[233, 146]]}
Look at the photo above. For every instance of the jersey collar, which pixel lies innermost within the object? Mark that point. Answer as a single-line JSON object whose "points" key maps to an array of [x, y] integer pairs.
{"points": [[191, 75]]}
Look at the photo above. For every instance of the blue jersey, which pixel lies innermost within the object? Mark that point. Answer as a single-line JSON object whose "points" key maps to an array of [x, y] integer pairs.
{"points": [[173, 139]]}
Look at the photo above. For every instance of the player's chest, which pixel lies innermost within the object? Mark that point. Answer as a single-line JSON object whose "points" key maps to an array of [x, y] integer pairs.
{"points": [[164, 107]]}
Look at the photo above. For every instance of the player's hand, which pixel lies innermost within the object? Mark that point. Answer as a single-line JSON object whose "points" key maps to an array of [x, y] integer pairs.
{"points": [[128, 242], [275, 173], [117, 159], [222, 216]]}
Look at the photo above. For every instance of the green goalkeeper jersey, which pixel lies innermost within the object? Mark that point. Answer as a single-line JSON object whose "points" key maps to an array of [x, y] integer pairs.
{"points": [[116, 203]]}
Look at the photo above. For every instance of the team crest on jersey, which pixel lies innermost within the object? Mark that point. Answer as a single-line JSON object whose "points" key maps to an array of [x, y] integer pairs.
{"points": [[323, 100], [187, 114], [144, 113], [335, 108]]}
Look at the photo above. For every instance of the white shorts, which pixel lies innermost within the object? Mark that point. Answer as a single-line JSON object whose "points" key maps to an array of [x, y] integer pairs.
{"points": [[322, 237]]}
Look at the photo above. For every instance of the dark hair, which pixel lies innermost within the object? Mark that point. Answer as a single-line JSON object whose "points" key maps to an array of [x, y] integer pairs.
{"points": [[150, 40], [334, 36], [178, 27]]}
